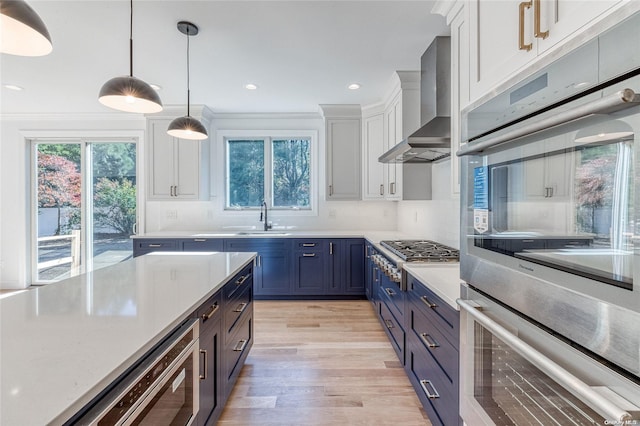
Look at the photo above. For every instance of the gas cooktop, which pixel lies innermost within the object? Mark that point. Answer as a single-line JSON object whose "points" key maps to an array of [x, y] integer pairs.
{"points": [[422, 251]]}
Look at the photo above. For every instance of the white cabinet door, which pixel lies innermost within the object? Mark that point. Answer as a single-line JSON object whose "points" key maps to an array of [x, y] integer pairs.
{"points": [[174, 169], [343, 159], [373, 147], [393, 178]]}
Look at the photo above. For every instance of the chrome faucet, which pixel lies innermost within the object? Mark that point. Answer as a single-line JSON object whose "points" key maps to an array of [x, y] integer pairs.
{"points": [[264, 215]]}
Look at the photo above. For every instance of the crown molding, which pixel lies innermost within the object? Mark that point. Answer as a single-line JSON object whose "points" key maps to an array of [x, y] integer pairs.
{"points": [[71, 116], [267, 115], [340, 110]]}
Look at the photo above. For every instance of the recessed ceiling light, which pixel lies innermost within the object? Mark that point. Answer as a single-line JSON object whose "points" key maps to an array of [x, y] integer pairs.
{"points": [[13, 87], [354, 86], [155, 87], [250, 86]]}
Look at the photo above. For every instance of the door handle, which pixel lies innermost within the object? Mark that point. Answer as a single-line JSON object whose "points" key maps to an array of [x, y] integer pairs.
{"points": [[381, 189], [521, 45], [536, 21], [204, 364]]}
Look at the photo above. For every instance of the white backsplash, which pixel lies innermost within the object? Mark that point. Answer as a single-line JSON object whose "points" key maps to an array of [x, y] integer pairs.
{"points": [[437, 219]]}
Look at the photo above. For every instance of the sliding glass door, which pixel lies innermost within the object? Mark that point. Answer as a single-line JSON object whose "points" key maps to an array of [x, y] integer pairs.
{"points": [[84, 204]]}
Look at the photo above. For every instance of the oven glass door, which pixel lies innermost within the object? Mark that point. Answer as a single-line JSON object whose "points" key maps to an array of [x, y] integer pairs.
{"points": [[174, 400], [564, 198], [515, 373]]}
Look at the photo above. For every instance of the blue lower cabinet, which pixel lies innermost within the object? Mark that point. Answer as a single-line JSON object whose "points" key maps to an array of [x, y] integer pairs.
{"points": [[394, 330], [149, 245], [272, 272], [202, 244], [310, 275], [346, 267]]}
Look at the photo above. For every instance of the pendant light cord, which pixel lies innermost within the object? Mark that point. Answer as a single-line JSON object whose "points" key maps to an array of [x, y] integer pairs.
{"points": [[188, 87], [131, 40]]}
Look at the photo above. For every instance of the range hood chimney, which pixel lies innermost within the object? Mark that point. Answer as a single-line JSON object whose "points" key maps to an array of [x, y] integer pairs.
{"points": [[432, 141]]}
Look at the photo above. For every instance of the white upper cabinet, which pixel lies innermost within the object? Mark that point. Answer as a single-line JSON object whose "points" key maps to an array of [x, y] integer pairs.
{"points": [[177, 168], [342, 133], [507, 35], [385, 125]]}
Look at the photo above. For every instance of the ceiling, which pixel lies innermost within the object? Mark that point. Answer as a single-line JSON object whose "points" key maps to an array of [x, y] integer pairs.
{"points": [[299, 53]]}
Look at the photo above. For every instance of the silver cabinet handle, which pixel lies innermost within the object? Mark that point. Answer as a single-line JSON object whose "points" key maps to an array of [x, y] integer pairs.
{"points": [[214, 308], [308, 244], [623, 99], [308, 255], [390, 292], [607, 408], [429, 340], [199, 240], [241, 307], [430, 395], [389, 324], [153, 245], [330, 190], [239, 347], [382, 189], [428, 302], [330, 248], [392, 188], [204, 364], [258, 261], [242, 279]]}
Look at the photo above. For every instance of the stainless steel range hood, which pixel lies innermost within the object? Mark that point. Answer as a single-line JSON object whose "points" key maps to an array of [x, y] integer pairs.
{"points": [[432, 141]]}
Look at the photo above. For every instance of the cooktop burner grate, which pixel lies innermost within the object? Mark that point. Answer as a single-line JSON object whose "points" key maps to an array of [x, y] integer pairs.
{"points": [[422, 251]]}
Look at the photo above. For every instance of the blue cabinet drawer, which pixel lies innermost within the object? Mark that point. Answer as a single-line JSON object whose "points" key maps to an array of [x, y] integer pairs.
{"points": [[237, 350], [446, 318], [439, 398], [144, 246], [425, 337], [395, 299], [393, 329], [202, 244], [309, 244], [209, 311], [234, 311], [239, 283]]}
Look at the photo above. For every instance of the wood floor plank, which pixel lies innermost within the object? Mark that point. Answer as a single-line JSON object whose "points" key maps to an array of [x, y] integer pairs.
{"points": [[321, 363]]}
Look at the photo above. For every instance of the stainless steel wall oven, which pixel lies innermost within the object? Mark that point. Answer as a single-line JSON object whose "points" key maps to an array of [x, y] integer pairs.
{"points": [[550, 201]]}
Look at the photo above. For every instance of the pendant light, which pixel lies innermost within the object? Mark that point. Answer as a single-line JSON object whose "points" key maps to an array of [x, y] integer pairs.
{"points": [[22, 31], [128, 93], [187, 127]]}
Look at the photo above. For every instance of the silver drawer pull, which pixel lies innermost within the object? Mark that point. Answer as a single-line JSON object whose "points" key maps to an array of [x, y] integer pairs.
{"points": [[200, 240], [240, 345], [308, 255], [242, 279], [213, 310], [155, 245], [430, 395], [390, 292], [308, 244], [429, 341], [204, 364], [241, 307], [389, 324], [428, 302]]}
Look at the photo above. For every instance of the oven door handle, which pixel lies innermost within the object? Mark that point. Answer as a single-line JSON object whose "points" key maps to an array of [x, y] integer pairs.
{"points": [[623, 99], [593, 396]]}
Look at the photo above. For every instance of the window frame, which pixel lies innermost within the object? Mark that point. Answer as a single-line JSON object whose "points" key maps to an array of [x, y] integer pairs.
{"points": [[224, 136]]}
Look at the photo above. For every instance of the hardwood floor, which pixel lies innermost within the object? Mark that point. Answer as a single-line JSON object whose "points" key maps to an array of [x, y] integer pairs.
{"points": [[321, 363]]}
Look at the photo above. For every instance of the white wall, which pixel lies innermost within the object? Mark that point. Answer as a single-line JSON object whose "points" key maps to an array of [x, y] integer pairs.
{"points": [[437, 219]]}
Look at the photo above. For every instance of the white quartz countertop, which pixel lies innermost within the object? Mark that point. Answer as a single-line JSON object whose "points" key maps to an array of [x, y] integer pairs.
{"points": [[279, 233], [441, 278], [63, 343]]}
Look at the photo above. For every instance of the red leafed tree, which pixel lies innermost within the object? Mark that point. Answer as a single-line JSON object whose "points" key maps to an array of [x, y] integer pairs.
{"points": [[58, 183]]}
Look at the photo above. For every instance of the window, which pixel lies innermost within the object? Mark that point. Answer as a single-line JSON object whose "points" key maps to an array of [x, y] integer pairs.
{"points": [[84, 206], [273, 169]]}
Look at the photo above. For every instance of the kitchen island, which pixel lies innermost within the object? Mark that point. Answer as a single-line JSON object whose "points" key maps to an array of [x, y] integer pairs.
{"points": [[64, 343]]}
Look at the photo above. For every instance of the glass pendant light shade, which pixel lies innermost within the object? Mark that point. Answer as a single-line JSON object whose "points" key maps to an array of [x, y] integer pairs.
{"points": [[187, 127], [130, 94], [22, 32]]}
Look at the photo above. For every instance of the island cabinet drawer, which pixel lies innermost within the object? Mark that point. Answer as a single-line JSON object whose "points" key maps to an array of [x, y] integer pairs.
{"points": [[210, 311], [439, 397], [390, 293], [239, 284], [142, 246], [236, 351], [393, 329], [234, 311], [425, 337], [446, 318]]}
